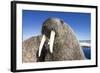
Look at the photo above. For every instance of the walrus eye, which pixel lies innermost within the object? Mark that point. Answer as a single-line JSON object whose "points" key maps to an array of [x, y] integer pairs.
{"points": [[61, 21]]}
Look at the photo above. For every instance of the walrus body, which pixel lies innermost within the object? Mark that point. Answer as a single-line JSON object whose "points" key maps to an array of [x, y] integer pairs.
{"points": [[65, 47], [30, 49]]}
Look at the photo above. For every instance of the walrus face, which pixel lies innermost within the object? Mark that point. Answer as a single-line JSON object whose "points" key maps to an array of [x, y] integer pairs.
{"points": [[52, 24], [51, 29]]}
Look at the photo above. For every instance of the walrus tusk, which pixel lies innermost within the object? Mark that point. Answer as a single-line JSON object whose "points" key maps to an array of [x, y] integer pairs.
{"points": [[41, 44], [51, 42], [52, 37]]}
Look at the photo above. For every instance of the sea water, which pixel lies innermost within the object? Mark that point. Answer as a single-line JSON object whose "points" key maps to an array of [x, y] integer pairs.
{"points": [[87, 52]]}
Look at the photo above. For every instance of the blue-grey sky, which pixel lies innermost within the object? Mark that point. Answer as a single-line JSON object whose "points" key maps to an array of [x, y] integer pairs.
{"points": [[32, 22]]}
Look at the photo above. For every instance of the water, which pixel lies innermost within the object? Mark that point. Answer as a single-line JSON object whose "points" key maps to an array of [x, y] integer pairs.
{"points": [[87, 52]]}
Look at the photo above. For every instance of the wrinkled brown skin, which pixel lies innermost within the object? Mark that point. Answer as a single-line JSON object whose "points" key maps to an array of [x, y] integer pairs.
{"points": [[66, 45], [30, 49]]}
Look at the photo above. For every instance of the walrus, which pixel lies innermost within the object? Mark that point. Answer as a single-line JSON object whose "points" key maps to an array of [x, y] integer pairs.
{"points": [[57, 42]]}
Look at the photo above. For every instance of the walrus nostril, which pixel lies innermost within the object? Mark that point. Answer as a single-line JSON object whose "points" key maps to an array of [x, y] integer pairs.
{"points": [[52, 29]]}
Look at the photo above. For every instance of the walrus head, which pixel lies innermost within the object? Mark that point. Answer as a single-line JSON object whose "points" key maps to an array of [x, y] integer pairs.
{"points": [[51, 29], [60, 41]]}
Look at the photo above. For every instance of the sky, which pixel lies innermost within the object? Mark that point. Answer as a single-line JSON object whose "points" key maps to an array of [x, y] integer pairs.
{"points": [[32, 21]]}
